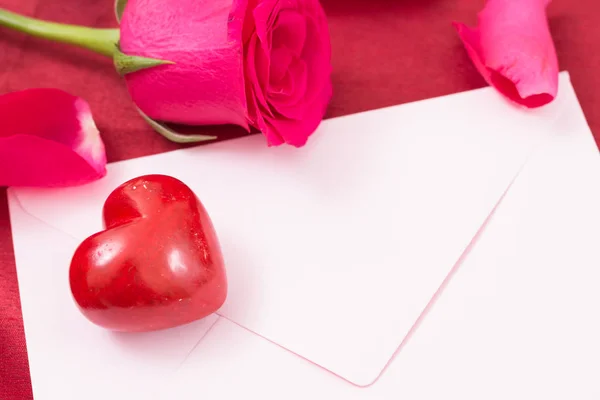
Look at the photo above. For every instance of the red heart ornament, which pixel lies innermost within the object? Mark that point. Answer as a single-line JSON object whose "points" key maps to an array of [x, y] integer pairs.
{"points": [[157, 264]]}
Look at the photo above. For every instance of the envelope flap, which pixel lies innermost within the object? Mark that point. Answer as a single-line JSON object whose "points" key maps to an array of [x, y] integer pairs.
{"points": [[334, 250]]}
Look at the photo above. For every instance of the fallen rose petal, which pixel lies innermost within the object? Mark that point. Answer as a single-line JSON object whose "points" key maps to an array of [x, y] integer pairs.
{"points": [[48, 138], [513, 50]]}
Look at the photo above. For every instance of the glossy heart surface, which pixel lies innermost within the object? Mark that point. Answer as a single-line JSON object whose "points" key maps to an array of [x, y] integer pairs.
{"points": [[157, 264]]}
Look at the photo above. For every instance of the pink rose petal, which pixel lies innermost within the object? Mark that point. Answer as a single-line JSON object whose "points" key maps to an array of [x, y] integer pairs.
{"points": [[282, 58], [513, 50], [289, 105], [293, 132], [287, 68], [291, 32], [273, 139], [48, 138], [293, 85], [203, 38]]}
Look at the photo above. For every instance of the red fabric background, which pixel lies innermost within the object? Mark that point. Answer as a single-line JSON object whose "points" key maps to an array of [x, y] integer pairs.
{"points": [[386, 52]]}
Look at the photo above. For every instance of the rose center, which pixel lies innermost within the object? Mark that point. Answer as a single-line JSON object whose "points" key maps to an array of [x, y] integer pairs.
{"points": [[287, 70]]}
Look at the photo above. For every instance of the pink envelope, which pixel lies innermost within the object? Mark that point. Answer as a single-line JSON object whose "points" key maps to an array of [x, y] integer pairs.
{"points": [[334, 252]]}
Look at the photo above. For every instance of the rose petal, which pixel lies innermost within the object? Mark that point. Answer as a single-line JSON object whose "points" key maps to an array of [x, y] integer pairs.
{"points": [[292, 87], [281, 59], [48, 138], [513, 50], [290, 32], [265, 14], [282, 89], [256, 73], [296, 132], [249, 27], [287, 101], [299, 87], [273, 139], [264, 18], [203, 39]]}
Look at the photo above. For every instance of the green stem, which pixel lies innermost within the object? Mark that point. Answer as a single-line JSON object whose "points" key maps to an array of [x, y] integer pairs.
{"points": [[102, 41]]}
